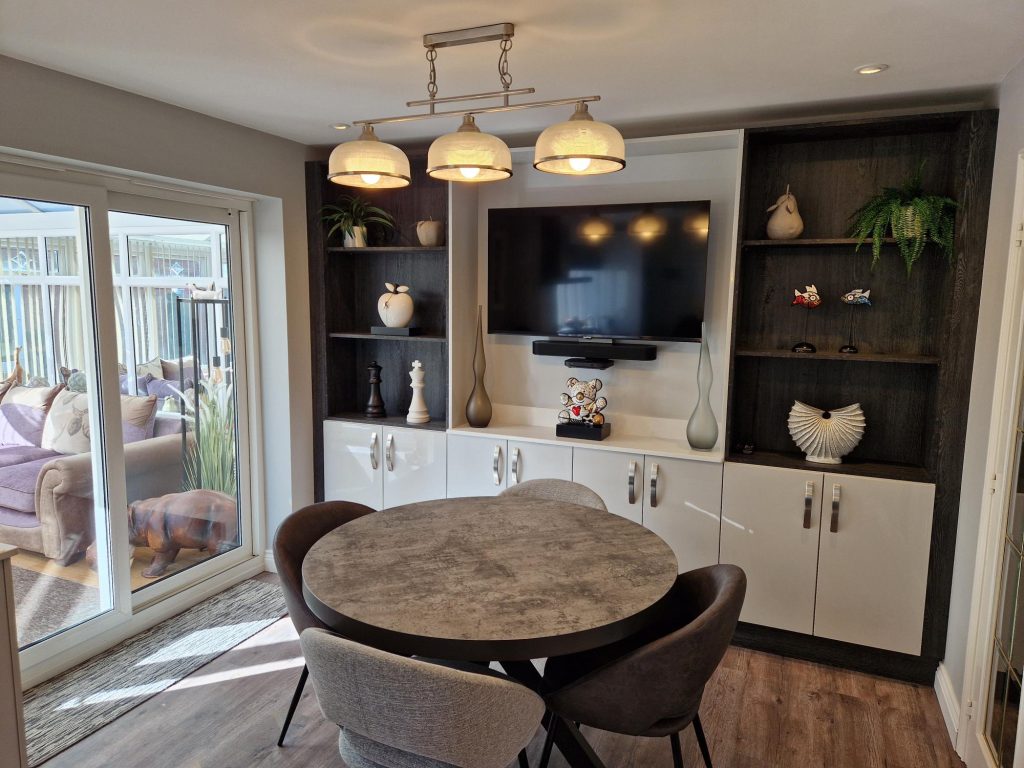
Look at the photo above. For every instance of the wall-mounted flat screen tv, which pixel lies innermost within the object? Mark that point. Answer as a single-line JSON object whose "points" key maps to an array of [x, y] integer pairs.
{"points": [[627, 271]]}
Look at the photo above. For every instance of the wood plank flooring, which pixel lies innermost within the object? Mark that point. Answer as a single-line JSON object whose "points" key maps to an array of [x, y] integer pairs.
{"points": [[759, 711]]}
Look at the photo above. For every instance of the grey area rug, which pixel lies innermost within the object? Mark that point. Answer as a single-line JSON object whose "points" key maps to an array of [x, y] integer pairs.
{"points": [[44, 604], [64, 710]]}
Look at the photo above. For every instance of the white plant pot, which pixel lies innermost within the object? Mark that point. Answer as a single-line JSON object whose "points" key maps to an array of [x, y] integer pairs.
{"points": [[357, 239]]}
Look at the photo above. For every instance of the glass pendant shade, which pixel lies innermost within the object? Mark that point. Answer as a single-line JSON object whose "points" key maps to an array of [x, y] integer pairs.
{"points": [[581, 146], [369, 163], [469, 155]]}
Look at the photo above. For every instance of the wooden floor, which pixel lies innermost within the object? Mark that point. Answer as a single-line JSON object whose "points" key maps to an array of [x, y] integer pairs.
{"points": [[759, 711]]}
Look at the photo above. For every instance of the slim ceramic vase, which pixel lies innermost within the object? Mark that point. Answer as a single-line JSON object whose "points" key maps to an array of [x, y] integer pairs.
{"points": [[478, 408], [702, 428]]}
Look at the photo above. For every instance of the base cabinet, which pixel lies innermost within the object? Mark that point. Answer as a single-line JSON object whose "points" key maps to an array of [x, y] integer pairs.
{"points": [[836, 556], [476, 465], [683, 505], [415, 466], [537, 461], [618, 478], [352, 470]]}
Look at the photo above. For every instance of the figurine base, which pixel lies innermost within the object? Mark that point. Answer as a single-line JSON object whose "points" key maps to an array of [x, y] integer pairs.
{"points": [[383, 330], [849, 349], [584, 431], [805, 347], [410, 419]]}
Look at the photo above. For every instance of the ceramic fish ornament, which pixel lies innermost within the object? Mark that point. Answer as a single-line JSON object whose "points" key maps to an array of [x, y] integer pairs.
{"points": [[856, 296], [810, 298], [785, 222]]}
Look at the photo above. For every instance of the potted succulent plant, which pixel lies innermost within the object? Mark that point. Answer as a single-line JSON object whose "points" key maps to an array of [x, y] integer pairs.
{"points": [[352, 217], [911, 216]]}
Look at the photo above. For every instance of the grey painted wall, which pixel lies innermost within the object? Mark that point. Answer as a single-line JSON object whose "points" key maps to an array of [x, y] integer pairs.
{"points": [[67, 117], [1009, 144]]}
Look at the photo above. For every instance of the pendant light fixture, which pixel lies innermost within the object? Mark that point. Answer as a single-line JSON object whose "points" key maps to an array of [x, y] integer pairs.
{"points": [[469, 155], [581, 146], [368, 162]]}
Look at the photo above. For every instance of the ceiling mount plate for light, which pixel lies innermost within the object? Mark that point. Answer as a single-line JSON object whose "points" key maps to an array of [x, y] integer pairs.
{"points": [[484, 34]]}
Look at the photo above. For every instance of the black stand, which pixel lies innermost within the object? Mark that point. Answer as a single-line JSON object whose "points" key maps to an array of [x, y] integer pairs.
{"points": [[375, 405], [849, 349], [805, 347], [584, 431]]}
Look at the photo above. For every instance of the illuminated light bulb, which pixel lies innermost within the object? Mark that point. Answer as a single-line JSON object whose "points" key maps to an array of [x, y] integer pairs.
{"points": [[370, 178], [579, 163], [469, 173]]}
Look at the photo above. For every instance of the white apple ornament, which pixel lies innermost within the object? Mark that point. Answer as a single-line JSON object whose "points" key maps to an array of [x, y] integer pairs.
{"points": [[395, 306]]}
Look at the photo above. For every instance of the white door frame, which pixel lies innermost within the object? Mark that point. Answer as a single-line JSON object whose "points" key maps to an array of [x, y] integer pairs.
{"points": [[999, 485]]}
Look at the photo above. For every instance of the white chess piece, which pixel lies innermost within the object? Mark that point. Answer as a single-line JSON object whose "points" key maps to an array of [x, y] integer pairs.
{"points": [[418, 407]]}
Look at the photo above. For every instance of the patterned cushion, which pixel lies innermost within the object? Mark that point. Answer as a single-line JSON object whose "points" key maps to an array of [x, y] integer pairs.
{"points": [[67, 425], [23, 414]]}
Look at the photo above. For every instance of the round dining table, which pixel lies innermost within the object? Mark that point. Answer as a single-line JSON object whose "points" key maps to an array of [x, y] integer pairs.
{"points": [[491, 579]]}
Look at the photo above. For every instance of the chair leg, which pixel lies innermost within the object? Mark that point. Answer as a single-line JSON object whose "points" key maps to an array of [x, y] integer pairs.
{"points": [[677, 751], [295, 702], [701, 741], [549, 742], [524, 761]]}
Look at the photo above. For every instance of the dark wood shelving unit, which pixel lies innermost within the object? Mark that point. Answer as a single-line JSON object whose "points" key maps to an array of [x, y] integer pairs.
{"points": [[916, 340], [344, 286], [860, 357]]}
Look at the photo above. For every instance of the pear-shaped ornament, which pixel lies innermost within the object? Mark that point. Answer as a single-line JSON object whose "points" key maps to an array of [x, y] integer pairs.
{"points": [[785, 222]]}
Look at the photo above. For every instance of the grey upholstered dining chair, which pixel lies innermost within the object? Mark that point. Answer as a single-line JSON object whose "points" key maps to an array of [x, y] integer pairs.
{"points": [[300, 531], [398, 712], [557, 490], [652, 684]]}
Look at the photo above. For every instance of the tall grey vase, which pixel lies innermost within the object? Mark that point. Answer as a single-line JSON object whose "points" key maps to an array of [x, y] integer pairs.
{"points": [[702, 428], [478, 408]]}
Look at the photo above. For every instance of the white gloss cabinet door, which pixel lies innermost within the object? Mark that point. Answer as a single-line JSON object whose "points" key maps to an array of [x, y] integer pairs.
{"points": [[618, 478], [415, 462], [352, 463], [683, 504], [476, 465], [535, 461], [770, 526], [873, 562]]}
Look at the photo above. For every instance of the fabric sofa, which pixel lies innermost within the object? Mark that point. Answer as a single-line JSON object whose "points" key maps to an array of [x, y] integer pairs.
{"points": [[46, 498]]}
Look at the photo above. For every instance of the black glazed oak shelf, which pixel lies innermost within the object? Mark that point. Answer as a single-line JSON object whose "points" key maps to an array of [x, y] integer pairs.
{"points": [[812, 241], [385, 337], [389, 249], [859, 357], [435, 424], [858, 467]]}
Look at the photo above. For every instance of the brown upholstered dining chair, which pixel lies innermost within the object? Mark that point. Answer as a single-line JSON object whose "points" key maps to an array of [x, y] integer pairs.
{"points": [[652, 684], [557, 490], [297, 534]]}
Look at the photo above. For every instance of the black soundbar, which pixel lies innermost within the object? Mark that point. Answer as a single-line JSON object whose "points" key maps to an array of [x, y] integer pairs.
{"points": [[594, 350]]}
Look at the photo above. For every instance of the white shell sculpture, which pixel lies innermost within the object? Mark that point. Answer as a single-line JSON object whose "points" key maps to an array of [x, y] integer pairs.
{"points": [[826, 436]]}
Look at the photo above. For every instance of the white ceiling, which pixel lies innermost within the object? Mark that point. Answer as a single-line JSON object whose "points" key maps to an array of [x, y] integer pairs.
{"points": [[294, 68]]}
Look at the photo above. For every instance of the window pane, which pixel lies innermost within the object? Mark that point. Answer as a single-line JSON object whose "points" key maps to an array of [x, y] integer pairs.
{"points": [[19, 255], [998, 687], [61, 256], [179, 256]]}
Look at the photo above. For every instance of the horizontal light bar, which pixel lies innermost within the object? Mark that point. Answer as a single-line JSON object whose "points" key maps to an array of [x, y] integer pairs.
{"points": [[479, 111], [471, 97], [469, 36]]}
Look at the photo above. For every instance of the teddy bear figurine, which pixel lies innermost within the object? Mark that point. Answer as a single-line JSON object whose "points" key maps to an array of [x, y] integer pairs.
{"points": [[582, 405]]}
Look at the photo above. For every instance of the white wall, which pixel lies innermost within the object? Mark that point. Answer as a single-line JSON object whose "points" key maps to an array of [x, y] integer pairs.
{"points": [[1009, 144], [666, 388], [54, 114]]}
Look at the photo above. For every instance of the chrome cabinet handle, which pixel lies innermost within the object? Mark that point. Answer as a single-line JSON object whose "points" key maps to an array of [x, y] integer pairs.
{"points": [[837, 493], [497, 460], [631, 483], [373, 450], [515, 465], [808, 502], [654, 485], [389, 450]]}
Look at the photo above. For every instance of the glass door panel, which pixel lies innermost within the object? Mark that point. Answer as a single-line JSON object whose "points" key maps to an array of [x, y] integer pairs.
{"points": [[51, 464], [175, 324]]}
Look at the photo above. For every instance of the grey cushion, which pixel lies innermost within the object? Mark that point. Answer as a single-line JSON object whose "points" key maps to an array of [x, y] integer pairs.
{"points": [[18, 485], [429, 710], [20, 454], [557, 490], [360, 752]]}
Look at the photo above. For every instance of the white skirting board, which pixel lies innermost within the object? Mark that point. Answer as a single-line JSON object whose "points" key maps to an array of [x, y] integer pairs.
{"points": [[268, 561], [949, 703]]}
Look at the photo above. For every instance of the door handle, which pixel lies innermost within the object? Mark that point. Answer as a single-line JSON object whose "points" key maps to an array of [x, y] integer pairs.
{"points": [[389, 450], [373, 450], [654, 485], [837, 493], [631, 483], [515, 465], [497, 461], [808, 502]]}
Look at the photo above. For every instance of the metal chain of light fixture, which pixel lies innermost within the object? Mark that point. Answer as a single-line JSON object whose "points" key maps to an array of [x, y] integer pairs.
{"points": [[503, 73], [432, 82]]}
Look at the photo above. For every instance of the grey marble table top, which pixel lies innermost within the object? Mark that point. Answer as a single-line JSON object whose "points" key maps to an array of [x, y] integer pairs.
{"points": [[488, 578]]}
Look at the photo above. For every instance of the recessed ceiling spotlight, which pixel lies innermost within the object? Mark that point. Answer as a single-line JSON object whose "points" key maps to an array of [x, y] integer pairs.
{"points": [[341, 126], [871, 69]]}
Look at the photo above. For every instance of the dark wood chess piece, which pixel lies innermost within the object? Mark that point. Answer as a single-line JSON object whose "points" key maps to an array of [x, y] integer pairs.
{"points": [[375, 405]]}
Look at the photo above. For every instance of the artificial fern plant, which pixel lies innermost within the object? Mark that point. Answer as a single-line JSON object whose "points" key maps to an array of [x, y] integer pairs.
{"points": [[913, 218], [354, 212], [210, 459]]}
